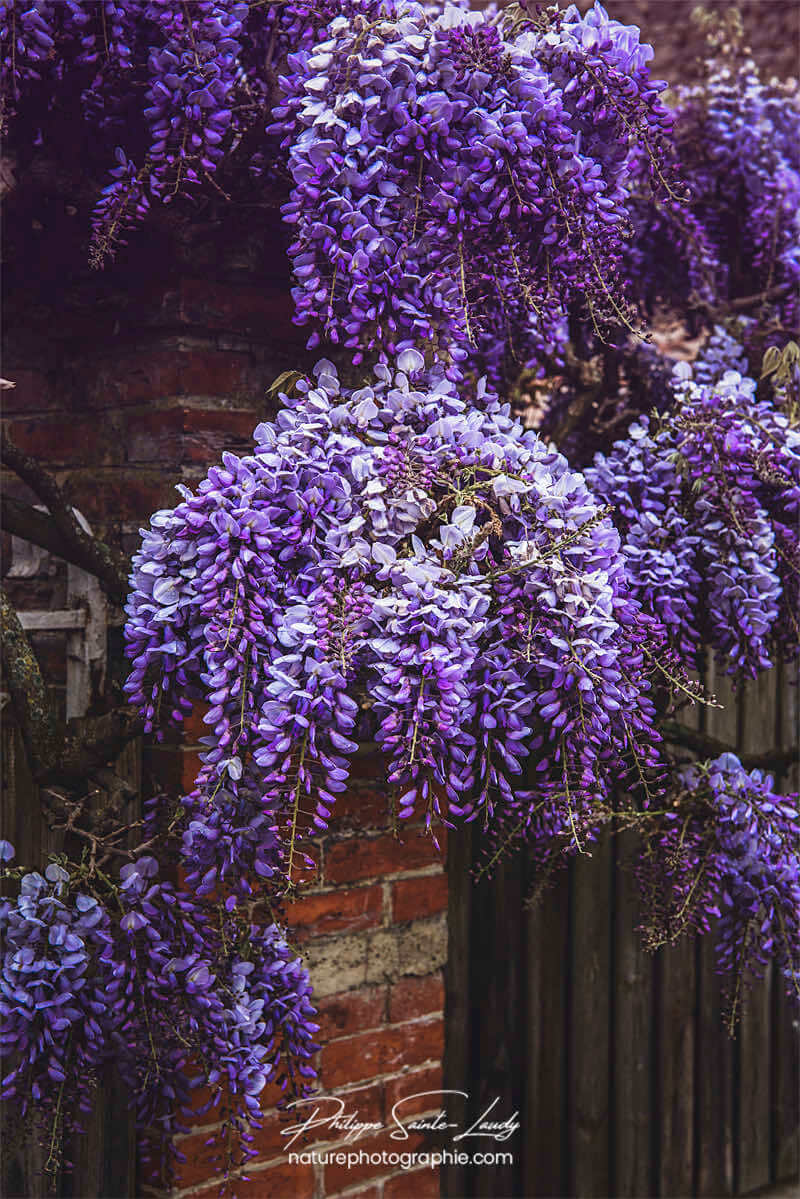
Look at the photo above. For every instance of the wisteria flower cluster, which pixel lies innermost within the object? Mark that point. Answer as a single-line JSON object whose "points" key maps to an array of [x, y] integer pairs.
{"points": [[396, 549], [177, 993], [736, 142], [399, 561], [728, 856], [170, 90], [460, 181], [707, 495]]}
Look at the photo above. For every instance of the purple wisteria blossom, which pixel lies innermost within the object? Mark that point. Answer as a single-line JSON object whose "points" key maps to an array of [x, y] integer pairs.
{"points": [[394, 549], [398, 562], [738, 154], [728, 856], [706, 495], [175, 992], [459, 181]]}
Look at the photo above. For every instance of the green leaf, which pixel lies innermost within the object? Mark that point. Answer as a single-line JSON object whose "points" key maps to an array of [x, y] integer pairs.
{"points": [[285, 383]]}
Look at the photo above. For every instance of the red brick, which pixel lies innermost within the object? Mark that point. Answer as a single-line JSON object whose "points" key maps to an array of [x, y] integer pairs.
{"points": [[271, 1096], [361, 808], [412, 997], [414, 898], [140, 376], [153, 373], [194, 727], [217, 373], [149, 1172], [200, 1164], [416, 1082], [370, 769], [172, 767], [120, 495], [422, 1184], [176, 435], [320, 915], [375, 857], [271, 1139], [190, 768], [235, 423], [365, 1104], [286, 1180], [370, 1192], [340, 1177], [199, 1097], [73, 440], [351, 1012], [32, 392], [235, 307], [306, 866], [156, 436], [380, 1051]]}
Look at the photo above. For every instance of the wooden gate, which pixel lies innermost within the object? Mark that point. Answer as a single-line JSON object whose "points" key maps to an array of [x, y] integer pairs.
{"points": [[625, 1079], [105, 1157]]}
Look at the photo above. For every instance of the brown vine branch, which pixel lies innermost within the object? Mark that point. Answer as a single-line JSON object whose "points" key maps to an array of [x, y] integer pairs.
{"points": [[42, 735], [710, 747], [23, 520], [69, 754], [90, 744], [588, 381], [58, 530], [742, 303]]}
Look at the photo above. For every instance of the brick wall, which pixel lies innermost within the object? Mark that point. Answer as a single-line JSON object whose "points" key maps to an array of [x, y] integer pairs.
{"points": [[371, 924], [370, 921], [128, 383]]}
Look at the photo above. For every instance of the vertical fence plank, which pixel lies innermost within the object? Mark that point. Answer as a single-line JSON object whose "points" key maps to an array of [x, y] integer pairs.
{"points": [[786, 1091], [676, 1046], [458, 1031], [104, 1156], [759, 729], [675, 1005], [499, 901], [119, 1176], [590, 1020], [632, 987], [22, 1140], [786, 1028], [26, 821], [7, 806], [630, 1084], [715, 1057], [547, 961], [714, 1083]]}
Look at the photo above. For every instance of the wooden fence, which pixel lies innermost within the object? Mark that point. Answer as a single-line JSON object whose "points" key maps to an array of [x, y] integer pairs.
{"points": [[105, 1157], [618, 1062]]}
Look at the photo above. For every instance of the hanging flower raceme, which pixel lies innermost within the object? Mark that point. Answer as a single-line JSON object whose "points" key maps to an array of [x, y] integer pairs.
{"points": [[194, 84], [169, 89], [176, 992], [727, 856], [706, 495], [391, 563], [736, 141], [460, 181]]}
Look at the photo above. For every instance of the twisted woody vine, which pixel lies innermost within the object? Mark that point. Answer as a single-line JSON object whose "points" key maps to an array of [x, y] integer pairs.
{"points": [[515, 600]]}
